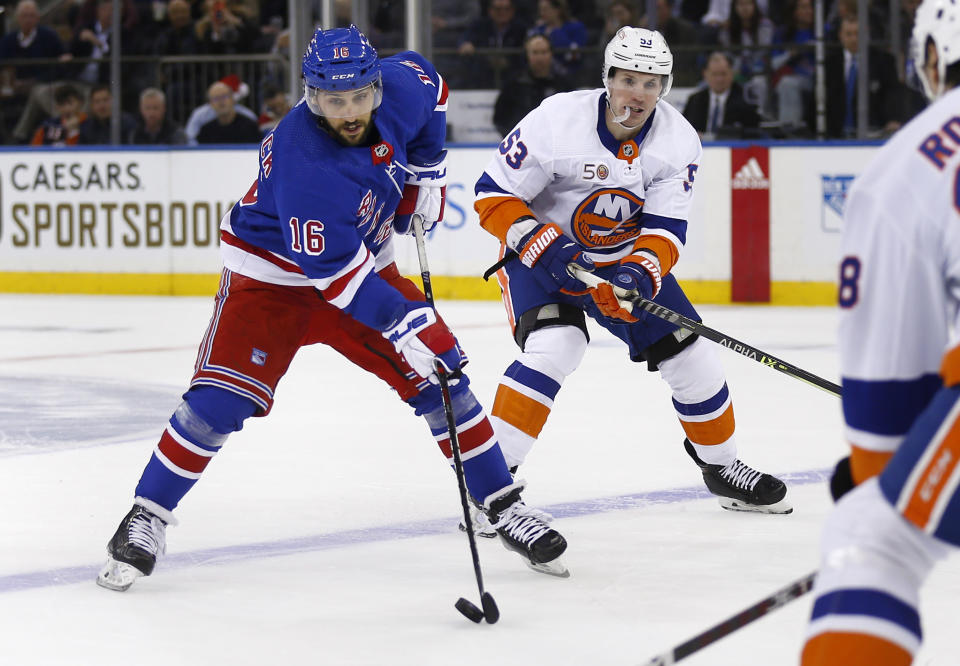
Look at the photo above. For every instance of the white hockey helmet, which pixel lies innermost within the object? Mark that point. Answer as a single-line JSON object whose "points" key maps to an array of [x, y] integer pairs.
{"points": [[937, 21], [639, 50]]}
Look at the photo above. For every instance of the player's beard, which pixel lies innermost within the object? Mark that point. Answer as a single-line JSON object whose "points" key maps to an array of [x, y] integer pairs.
{"points": [[352, 139]]}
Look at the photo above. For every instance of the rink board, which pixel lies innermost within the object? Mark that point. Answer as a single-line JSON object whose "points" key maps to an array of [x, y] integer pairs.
{"points": [[138, 221]]}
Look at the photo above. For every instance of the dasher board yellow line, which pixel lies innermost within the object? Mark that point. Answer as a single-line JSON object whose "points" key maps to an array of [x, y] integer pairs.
{"points": [[453, 287]]}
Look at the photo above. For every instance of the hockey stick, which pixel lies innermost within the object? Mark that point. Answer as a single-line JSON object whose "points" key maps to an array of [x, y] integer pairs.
{"points": [[778, 599], [490, 611], [762, 357]]}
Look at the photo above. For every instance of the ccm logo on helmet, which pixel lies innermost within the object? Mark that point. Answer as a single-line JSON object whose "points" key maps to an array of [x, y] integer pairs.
{"points": [[342, 76]]}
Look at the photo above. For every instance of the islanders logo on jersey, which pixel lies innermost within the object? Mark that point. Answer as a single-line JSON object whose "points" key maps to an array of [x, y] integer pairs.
{"points": [[607, 217]]}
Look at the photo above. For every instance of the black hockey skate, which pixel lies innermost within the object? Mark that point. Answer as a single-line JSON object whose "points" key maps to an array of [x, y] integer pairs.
{"points": [[133, 550], [739, 487], [526, 531]]}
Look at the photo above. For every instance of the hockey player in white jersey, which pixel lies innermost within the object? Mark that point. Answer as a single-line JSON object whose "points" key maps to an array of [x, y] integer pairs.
{"points": [[899, 298], [603, 179]]}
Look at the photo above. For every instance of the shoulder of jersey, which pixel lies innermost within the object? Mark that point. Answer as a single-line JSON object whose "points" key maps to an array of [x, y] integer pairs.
{"points": [[405, 95], [574, 104], [674, 138], [900, 157]]}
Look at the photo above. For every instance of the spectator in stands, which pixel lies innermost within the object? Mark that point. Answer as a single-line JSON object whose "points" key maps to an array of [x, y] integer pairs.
{"points": [[679, 33], [204, 113], [841, 72], [793, 65], [717, 18], [499, 29], [225, 28], [566, 34], [179, 36], [619, 13], [746, 28], [18, 84], [276, 105], [96, 128], [94, 40], [449, 18], [228, 126], [720, 108], [541, 78], [64, 128], [153, 125]]}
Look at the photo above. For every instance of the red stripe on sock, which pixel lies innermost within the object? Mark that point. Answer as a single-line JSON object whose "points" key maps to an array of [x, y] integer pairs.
{"points": [[181, 457]]}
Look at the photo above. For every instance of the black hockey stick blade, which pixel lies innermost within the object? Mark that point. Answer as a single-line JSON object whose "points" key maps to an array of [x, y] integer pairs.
{"points": [[490, 610], [778, 599], [677, 319]]}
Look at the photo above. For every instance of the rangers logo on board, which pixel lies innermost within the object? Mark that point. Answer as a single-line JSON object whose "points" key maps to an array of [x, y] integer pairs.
{"points": [[835, 190]]}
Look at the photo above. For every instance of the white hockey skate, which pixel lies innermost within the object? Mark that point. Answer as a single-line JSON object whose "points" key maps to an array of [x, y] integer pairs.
{"points": [[135, 546], [527, 531], [478, 520]]}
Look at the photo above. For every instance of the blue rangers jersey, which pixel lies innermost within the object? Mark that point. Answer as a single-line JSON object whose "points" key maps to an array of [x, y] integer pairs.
{"points": [[321, 214]]}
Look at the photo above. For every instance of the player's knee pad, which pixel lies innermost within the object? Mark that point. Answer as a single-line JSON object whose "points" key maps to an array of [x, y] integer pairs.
{"points": [[667, 347], [694, 372], [867, 544], [209, 412], [544, 316], [463, 402], [555, 350]]}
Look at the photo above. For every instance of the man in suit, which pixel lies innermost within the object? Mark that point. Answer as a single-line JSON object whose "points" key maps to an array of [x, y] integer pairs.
{"points": [[841, 71], [719, 108]]}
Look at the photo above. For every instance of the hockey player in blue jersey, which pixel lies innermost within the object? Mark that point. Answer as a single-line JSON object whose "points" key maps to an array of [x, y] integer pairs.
{"points": [[308, 258]]}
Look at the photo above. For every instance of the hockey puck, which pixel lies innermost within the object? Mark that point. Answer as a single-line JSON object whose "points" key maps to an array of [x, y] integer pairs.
{"points": [[470, 610], [490, 610]]}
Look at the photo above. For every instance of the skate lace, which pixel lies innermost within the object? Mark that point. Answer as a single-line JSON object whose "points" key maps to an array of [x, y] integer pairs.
{"points": [[523, 523], [741, 475], [146, 531]]}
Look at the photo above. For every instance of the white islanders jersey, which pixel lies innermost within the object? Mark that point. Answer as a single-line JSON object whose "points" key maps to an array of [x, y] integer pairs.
{"points": [[611, 197], [900, 278]]}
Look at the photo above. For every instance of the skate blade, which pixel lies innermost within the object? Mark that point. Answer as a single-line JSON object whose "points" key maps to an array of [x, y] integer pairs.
{"points": [[118, 576], [552, 568], [485, 532], [781, 507]]}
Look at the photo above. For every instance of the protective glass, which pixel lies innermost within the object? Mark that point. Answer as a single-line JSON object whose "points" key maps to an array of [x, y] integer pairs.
{"points": [[344, 103]]}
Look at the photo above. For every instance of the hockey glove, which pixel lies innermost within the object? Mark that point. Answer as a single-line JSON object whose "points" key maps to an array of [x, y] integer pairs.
{"points": [[639, 275], [420, 338], [424, 194], [548, 252]]}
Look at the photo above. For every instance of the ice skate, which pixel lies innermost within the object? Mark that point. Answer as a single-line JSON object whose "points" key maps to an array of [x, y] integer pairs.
{"points": [[133, 550], [742, 488], [526, 531], [478, 520]]}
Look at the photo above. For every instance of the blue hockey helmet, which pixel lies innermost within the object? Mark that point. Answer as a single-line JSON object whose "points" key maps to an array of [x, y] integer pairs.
{"points": [[337, 62]]}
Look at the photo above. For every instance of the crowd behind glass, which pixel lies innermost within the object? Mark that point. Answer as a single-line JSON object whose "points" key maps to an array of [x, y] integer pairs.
{"points": [[215, 71]]}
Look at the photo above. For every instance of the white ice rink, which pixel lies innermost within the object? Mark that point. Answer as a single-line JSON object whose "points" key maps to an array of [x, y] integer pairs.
{"points": [[326, 532]]}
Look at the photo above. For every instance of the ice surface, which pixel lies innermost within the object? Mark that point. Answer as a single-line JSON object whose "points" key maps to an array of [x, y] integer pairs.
{"points": [[326, 532]]}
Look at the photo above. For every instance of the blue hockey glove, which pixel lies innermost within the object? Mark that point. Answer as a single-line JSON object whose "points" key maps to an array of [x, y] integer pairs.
{"points": [[548, 252], [640, 274], [424, 194], [421, 338]]}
